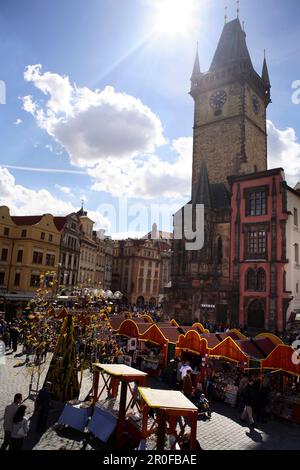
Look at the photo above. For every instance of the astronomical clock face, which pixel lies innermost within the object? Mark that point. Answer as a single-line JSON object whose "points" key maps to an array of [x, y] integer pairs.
{"points": [[218, 99], [255, 104]]}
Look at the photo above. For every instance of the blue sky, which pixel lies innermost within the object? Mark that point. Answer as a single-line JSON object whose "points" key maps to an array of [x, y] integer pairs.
{"points": [[112, 43]]}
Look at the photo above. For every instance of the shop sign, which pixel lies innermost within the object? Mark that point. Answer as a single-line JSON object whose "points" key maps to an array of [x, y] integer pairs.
{"points": [[208, 306]]}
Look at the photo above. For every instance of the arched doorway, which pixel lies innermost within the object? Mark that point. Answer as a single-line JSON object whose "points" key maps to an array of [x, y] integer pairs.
{"points": [[140, 301], [256, 315]]}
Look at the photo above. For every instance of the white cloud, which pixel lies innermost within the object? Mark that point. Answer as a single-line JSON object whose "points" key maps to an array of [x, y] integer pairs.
{"points": [[18, 121], [64, 189], [284, 151], [147, 178], [92, 125], [24, 201]]}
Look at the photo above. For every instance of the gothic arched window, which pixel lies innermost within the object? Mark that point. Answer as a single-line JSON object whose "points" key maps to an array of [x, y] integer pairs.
{"points": [[220, 251], [251, 280], [261, 280], [284, 281]]}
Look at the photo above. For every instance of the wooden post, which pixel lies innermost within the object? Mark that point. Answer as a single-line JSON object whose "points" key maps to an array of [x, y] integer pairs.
{"points": [[95, 386], [161, 429], [122, 415], [194, 416]]}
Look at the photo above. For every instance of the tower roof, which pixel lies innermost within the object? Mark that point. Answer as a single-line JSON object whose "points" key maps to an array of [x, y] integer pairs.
{"points": [[265, 74], [196, 70], [202, 194], [232, 46]]}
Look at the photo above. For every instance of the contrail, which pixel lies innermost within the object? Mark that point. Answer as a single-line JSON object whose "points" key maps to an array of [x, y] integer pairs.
{"points": [[43, 170]]}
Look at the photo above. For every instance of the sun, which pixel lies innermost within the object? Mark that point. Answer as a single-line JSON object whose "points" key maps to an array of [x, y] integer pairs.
{"points": [[175, 16]]}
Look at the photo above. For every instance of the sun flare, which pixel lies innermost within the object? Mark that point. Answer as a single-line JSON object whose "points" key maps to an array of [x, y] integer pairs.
{"points": [[175, 16]]}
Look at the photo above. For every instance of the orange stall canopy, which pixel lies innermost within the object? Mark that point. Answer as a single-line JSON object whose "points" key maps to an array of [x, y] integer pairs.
{"points": [[229, 349], [283, 357], [133, 329], [192, 342]]}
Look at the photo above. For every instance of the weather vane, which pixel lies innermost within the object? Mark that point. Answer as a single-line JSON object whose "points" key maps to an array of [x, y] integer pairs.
{"points": [[225, 17], [238, 8]]}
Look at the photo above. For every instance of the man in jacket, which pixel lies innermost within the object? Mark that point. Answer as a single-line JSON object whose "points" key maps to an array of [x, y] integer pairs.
{"points": [[249, 398], [9, 414]]}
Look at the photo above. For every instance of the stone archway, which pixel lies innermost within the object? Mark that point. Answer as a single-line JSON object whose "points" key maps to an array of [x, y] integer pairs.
{"points": [[256, 315]]}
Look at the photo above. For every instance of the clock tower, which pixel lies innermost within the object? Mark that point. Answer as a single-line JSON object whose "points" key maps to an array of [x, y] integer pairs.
{"points": [[230, 111]]}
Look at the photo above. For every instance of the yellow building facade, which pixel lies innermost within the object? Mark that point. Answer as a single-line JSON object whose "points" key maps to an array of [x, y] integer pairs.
{"points": [[29, 247]]}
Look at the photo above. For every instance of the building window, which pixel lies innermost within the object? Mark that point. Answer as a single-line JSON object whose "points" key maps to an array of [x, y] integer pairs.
{"points": [[42, 235], [20, 256], [297, 288], [261, 280], [34, 280], [2, 277], [142, 272], [220, 251], [6, 231], [50, 260], [256, 203], [296, 253], [284, 281], [17, 279], [148, 285], [50, 238], [149, 272], [251, 280], [24, 233], [4, 254], [257, 242], [37, 257], [296, 217]]}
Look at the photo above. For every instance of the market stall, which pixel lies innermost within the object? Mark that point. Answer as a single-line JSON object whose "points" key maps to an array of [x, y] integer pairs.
{"points": [[284, 366], [113, 375], [167, 406], [160, 342]]}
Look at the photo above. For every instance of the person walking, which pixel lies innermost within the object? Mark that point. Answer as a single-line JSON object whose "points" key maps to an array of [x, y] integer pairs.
{"points": [[187, 384], [249, 398], [9, 414], [19, 430], [42, 407]]}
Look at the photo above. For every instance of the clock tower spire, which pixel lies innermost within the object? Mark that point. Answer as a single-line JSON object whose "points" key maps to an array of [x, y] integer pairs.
{"points": [[230, 111]]}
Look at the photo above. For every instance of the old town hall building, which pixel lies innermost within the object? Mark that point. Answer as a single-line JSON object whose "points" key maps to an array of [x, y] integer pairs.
{"points": [[244, 232]]}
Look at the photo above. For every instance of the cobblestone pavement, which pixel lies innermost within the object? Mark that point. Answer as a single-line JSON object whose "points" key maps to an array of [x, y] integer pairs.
{"points": [[223, 432]]}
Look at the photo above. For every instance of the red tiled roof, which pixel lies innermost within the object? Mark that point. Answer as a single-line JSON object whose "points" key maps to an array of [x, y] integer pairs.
{"points": [[59, 222], [26, 219]]}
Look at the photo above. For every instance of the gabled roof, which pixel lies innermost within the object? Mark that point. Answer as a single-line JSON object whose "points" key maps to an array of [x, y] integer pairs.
{"points": [[232, 46]]}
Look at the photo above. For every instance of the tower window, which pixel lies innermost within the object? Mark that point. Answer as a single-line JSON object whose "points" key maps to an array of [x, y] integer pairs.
{"points": [[256, 203], [257, 242], [250, 280], [261, 280]]}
